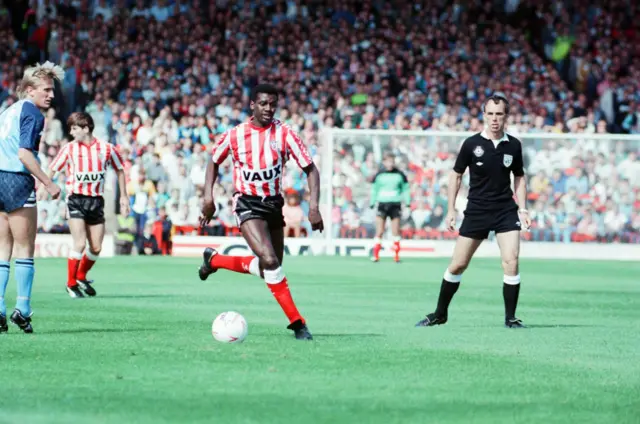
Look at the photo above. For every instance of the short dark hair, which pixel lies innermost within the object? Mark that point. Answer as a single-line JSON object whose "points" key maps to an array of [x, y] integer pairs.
{"points": [[497, 98], [82, 120], [263, 89]]}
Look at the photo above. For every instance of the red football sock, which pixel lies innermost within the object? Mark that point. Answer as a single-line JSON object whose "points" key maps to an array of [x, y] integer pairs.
{"points": [[232, 263], [396, 249], [376, 251], [283, 296], [277, 283], [85, 265], [72, 269]]}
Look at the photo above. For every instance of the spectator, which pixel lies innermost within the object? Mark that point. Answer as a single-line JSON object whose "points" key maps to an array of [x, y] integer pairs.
{"points": [[559, 62], [614, 222], [44, 223], [542, 222], [155, 171], [293, 215], [147, 244], [163, 232], [436, 220], [564, 224], [587, 229], [125, 235]]}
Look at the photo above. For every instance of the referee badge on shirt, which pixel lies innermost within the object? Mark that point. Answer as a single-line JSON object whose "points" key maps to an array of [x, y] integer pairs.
{"points": [[478, 151], [507, 160]]}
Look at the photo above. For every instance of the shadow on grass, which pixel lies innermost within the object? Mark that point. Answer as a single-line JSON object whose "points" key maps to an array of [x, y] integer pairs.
{"points": [[99, 330], [135, 296], [347, 335], [534, 326]]}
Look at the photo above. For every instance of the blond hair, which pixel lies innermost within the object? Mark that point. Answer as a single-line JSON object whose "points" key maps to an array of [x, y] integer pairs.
{"points": [[35, 74]]}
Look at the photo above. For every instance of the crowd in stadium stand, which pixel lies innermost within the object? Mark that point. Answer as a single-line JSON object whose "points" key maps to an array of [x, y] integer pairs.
{"points": [[164, 79]]}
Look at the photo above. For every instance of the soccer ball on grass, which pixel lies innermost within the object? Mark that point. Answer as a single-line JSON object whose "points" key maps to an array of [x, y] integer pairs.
{"points": [[229, 327]]}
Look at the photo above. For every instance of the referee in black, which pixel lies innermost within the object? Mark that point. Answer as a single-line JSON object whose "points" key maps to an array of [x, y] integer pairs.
{"points": [[491, 156]]}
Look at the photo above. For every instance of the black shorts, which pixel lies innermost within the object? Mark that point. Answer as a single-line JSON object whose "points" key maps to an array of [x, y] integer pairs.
{"points": [[87, 208], [477, 224], [255, 207], [389, 210]]}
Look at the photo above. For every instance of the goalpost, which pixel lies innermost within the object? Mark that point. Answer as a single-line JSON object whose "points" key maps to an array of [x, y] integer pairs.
{"points": [[350, 158]]}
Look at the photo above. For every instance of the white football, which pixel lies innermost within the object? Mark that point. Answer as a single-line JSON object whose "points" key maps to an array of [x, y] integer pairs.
{"points": [[230, 327]]}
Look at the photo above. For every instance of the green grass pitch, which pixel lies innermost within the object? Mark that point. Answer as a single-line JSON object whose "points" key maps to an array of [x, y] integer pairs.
{"points": [[142, 351]]}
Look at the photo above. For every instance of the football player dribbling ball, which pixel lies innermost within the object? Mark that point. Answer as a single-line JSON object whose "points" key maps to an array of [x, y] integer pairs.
{"points": [[259, 150]]}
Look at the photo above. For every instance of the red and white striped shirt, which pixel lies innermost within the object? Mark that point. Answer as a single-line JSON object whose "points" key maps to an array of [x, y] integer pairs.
{"points": [[85, 166], [259, 156]]}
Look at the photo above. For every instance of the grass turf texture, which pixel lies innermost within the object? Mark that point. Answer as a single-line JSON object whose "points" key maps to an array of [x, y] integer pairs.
{"points": [[142, 351]]}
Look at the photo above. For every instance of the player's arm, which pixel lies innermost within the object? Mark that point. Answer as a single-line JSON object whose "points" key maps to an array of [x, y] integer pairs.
{"points": [[313, 179], [520, 189], [30, 129], [455, 180], [42, 190], [209, 204], [218, 155], [57, 164], [124, 194], [406, 190], [211, 176], [118, 164], [520, 185], [375, 188], [298, 150]]}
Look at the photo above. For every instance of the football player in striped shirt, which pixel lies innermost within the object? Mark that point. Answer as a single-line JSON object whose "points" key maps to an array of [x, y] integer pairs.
{"points": [[259, 150], [21, 126], [85, 161]]}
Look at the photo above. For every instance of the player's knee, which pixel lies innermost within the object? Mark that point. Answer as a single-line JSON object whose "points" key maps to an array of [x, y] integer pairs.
{"points": [[458, 267], [269, 261], [23, 249], [510, 266], [95, 250], [78, 246]]}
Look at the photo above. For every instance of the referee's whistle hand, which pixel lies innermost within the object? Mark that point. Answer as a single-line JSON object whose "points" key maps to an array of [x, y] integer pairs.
{"points": [[451, 220], [525, 219]]}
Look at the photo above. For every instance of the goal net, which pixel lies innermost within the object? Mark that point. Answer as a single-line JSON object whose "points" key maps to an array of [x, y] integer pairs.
{"points": [[582, 187]]}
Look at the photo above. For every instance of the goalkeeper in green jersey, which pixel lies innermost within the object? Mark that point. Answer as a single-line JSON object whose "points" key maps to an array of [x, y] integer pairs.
{"points": [[389, 191]]}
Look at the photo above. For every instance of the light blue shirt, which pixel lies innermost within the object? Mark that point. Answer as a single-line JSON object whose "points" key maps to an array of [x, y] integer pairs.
{"points": [[21, 126]]}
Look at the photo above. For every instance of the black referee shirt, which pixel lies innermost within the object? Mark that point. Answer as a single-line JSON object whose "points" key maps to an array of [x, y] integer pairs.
{"points": [[490, 168]]}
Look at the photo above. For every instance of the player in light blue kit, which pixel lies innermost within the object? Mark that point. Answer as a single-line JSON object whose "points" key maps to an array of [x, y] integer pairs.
{"points": [[21, 126]]}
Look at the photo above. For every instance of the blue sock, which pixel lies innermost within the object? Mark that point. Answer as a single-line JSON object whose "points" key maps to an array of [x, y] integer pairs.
{"points": [[24, 276], [4, 279]]}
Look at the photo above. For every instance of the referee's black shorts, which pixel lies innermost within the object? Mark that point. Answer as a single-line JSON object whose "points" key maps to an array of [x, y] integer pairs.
{"points": [[90, 209], [479, 222], [268, 209], [391, 210]]}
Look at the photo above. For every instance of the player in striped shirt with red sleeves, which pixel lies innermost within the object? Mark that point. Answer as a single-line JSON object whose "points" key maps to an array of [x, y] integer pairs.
{"points": [[85, 161], [259, 150]]}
